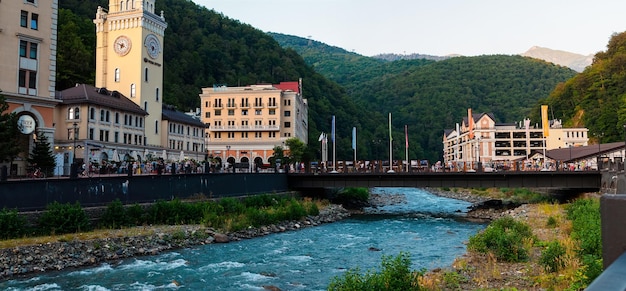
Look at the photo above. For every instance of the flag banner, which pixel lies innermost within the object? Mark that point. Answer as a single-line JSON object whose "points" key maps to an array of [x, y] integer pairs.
{"points": [[470, 123], [390, 137], [321, 137], [354, 138], [544, 120], [332, 134], [406, 135]]}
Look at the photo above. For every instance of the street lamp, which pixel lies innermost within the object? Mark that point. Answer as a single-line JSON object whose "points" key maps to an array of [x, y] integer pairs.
{"points": [[74, 126], [226, 157]]}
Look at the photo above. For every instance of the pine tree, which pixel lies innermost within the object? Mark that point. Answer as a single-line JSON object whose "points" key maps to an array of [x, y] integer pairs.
{"points": [[9, 133], [42, 155]]}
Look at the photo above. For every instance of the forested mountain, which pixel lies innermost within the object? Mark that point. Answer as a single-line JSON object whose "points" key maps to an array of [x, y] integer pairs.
{"points": [[596, 98], [203, 48], [431, 96]]}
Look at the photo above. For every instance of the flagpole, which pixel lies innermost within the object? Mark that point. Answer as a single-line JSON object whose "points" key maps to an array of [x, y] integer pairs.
{"points": [[354, 146], [390, 147], [406, 136], [334, 147]]}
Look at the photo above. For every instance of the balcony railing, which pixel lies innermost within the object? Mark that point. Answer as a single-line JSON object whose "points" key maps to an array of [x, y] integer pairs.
{"points": [[245, 128]]}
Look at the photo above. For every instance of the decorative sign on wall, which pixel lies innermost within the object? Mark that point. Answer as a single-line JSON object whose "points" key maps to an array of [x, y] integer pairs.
{"points": [[26, 124]]}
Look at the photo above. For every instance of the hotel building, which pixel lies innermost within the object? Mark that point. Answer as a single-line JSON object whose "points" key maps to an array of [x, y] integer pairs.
{"points": [[490, 142], [246, 123], [28, 41]]}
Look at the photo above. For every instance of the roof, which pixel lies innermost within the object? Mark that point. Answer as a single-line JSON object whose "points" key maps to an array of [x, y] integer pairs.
{"points": [[181, 117], [583, 152], [83, 93]]}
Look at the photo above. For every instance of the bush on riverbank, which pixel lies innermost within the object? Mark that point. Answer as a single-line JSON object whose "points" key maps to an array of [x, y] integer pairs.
{"points": [[352, 198], [12, 225], [586, 231], [506, 238], [395, 275]]}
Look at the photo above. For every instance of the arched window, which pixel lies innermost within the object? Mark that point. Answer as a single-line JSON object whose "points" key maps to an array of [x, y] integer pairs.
{"points": [[117, 74], [70, 113], [76, 113], [92, 113], [132, 90]]}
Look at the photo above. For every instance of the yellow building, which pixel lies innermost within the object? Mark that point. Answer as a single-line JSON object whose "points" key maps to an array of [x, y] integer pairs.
{"points": [[129, 57], [123, 117], [246, 123], [28, 65], [490, 143]]}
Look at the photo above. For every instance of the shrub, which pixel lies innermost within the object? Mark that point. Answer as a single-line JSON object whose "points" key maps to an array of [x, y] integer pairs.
{"points": [[63, 218], [553, 257], [232, 205], [12, 225], [505, 238], [395, 275], [585, 217], [114, 216], [552, 222]]}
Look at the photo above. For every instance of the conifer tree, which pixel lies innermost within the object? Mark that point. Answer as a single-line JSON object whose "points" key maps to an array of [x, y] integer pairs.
{"points": [[9, 133], [42, 154]]}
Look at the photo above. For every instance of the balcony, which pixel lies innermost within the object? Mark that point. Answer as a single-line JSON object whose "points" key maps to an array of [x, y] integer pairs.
{"points": [[244, 105], [258, 105], [231, 105], [272, 105], [218, 106], [245, 128]]}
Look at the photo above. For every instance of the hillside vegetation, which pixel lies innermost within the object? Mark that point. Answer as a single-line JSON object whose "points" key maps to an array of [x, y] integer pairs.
{"points": [[596, 98]]}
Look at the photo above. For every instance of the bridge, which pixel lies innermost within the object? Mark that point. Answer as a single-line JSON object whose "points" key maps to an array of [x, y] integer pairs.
{"points": [[563, 182]]}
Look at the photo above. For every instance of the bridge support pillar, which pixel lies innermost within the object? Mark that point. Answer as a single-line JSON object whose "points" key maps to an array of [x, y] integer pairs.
{"points": [[613, 223]]}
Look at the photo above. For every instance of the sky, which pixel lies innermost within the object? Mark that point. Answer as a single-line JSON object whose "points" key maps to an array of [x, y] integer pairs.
{"points": [[436, 27]]}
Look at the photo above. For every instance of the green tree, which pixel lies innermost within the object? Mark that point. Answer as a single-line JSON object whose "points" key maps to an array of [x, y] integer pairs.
{"points": [[42, 154], [8, 133], [297, 150]]}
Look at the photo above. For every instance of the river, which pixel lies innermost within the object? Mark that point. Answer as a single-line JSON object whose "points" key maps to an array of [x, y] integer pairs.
{"points": [[426, 226]]}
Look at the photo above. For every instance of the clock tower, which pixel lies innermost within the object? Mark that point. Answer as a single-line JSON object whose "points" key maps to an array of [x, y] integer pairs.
{"points": [[129, 57]]}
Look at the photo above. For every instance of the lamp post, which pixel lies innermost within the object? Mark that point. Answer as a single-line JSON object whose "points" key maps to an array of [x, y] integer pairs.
{"points": [[74, 126], [226, 157]]}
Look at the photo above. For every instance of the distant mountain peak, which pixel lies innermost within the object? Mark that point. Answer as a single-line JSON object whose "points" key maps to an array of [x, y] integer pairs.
{"points": [[576, 62]]}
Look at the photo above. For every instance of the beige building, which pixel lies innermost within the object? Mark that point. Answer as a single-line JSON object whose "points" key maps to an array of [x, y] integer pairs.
{"points": [[489, 142], [246, 123], [28, 42]]}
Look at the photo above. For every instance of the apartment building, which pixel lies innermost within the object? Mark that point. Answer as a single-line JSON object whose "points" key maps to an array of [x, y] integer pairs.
{"points": [[246, 123], [483, 140], [28, 64]]}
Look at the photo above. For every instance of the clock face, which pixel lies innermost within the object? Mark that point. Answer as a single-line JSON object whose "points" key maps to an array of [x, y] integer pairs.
{"points": [[153, 46], [122, 45]]}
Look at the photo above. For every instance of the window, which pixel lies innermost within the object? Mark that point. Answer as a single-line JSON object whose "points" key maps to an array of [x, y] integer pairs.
{"points": [[287, 113], [272, 111], [116, 137], [207, 114], [91, 133], [133, 91], [287, 124], [244, 134], [231, 112], [157, 94], [108, 115], [24, 19], [244, 112], [145, 105], [156, 127], [70, 113], [117, 118], [76, 113], [218, 112], [27, 78], [28, 49], [145, 76], [92, 113], [257, 112], [34, 21], [101, 114], [117, 75]]}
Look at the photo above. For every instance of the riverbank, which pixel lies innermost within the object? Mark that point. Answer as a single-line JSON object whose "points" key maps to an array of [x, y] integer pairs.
{"points": [[74, 250]]}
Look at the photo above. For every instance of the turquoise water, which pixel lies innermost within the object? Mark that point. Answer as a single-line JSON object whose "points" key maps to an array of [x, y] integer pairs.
{"points": [[425, 227]]}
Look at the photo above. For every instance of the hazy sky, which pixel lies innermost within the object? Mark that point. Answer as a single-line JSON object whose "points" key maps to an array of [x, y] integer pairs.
{"points": [[436, 27]]}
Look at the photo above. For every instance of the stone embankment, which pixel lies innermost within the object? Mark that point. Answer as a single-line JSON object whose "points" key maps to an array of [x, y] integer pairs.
{"points": [[32, 259]]}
